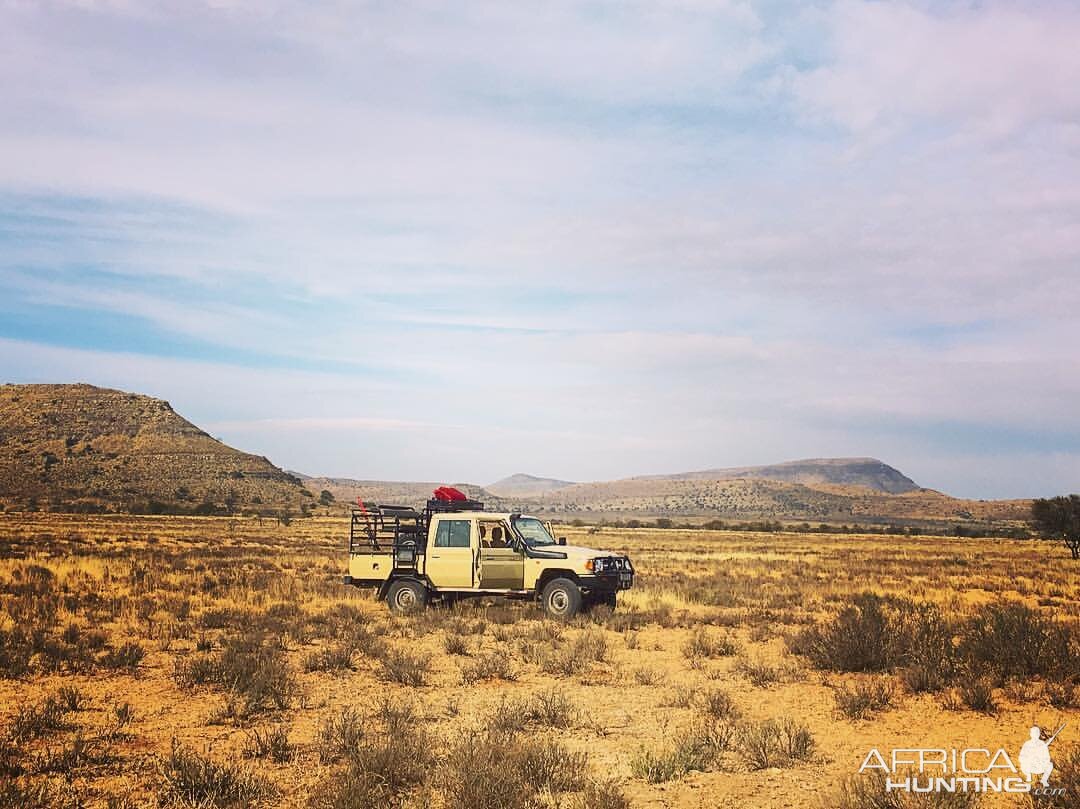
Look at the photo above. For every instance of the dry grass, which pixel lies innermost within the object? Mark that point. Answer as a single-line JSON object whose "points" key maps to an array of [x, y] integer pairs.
{"points": [[730, 676]]}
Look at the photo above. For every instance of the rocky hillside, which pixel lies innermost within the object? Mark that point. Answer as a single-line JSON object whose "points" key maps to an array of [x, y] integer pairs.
{"points": [[867, 472], [71, 447], [522, 485]]}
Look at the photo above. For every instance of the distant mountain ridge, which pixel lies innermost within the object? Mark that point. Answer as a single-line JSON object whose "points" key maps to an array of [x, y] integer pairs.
{"points": [[522, 485], [868, 472], [84, 447], [80, 447]]}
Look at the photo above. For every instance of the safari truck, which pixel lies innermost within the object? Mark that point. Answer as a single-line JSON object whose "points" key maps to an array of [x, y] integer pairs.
{"points": [[455, 549]]}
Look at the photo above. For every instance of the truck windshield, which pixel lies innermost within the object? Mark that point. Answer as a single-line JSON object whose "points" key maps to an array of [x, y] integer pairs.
{"points": [[533, 531]]}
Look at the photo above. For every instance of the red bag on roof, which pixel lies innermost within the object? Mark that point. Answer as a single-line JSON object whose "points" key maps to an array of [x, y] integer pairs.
{"points": [[448, 494]]}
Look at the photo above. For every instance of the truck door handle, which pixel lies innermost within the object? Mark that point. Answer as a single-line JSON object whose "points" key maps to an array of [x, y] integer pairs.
{"points": [[436, 556]]}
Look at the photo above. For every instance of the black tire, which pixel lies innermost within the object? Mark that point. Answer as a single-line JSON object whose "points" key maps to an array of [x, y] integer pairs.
{"points": [[406, 596], [561, 599]]}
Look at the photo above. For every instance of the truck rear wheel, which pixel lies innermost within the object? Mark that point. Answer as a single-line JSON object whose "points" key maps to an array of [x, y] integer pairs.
{"points": [[406, 596], [561, 599]]}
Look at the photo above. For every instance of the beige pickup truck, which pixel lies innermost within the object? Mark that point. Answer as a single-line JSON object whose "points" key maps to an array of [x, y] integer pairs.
{"points": [[454, 549]]}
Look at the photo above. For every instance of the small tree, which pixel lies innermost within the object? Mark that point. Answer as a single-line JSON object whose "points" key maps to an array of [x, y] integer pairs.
{"points": [[325, 497], [1059, 518]]}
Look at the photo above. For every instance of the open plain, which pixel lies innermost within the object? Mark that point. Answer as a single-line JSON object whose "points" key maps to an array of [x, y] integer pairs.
{"points": [[207, 661]]}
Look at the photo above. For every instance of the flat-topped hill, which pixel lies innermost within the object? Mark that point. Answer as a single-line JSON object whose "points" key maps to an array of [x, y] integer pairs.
{"points": [[84, 447]]}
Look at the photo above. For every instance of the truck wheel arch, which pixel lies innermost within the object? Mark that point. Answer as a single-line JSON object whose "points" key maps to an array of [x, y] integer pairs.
{"points": [[550, 574]]}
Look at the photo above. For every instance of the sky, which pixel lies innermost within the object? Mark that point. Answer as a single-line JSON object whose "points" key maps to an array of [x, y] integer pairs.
{"points": [[451, 241]]}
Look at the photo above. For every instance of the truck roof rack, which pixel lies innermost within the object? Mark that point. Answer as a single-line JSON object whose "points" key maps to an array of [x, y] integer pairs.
{"points": [[435, 506]]}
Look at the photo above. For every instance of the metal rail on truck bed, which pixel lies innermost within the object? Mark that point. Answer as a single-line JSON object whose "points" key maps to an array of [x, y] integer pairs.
{"points": [[399, 530]]}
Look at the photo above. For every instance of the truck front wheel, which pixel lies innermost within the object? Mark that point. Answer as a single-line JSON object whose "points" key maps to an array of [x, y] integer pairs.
{"points": [[561, 599], [406, 596]]}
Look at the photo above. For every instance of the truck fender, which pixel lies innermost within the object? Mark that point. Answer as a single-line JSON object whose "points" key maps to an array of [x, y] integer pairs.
{"points": [[554, 573]]}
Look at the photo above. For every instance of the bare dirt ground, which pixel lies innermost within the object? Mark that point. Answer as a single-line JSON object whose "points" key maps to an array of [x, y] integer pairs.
{"points": [[150, 661]]}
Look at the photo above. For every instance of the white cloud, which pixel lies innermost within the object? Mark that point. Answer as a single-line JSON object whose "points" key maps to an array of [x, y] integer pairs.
{"points": [[654, 235], [982, 69]]}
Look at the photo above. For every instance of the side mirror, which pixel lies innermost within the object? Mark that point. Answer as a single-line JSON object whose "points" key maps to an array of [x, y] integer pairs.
{"points": [[562, 540]]}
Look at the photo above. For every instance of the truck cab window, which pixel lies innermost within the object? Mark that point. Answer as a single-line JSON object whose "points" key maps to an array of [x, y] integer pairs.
{"points": [[453, 534]]}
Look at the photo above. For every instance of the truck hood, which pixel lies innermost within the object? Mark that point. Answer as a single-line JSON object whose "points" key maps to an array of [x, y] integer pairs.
{"points": [[578, 553]]}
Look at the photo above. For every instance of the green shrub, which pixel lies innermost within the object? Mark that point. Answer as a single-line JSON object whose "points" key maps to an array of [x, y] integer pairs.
{"points": [[1012, 640]]}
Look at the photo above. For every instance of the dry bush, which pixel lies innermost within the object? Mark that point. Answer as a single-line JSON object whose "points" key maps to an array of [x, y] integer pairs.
{"points": [[874, 633], [1062, 695], [696, 750], [272, 743], [774, 743], [339, 735], [865, 698], [196, 780], [16, 649], [382, 765], [492, 666], [507, 717], [591, 646], [999, 641], [336, 657], [36, 721], [543, 709], [551, 708], [126, 656], [702, 644], [978, 695], [407, 668], [718, 704], [494, 768], [72, 698], [868, 792], [254, 670], [456, 645], [79, 752], [647, 676], [28, 794], [682, 696], [600, 795], [758, 672]]}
